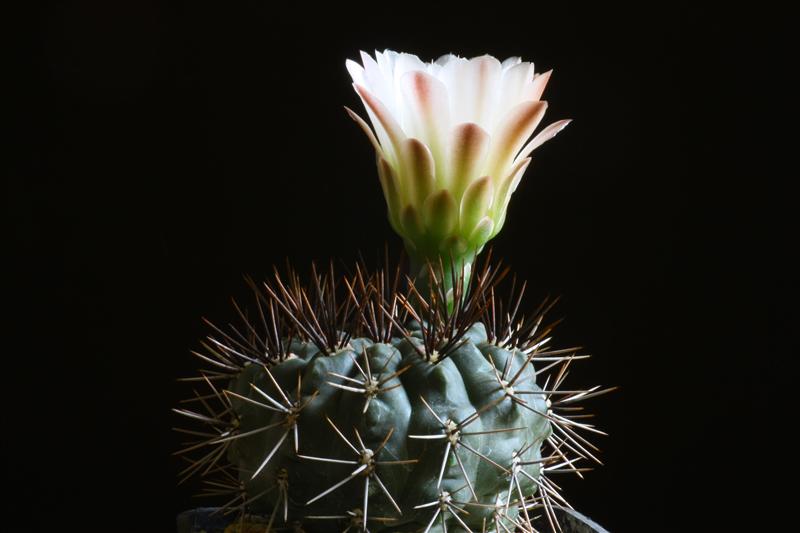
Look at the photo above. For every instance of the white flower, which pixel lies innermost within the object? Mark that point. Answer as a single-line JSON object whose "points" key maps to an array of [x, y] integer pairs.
{"points": [[450, 138]]}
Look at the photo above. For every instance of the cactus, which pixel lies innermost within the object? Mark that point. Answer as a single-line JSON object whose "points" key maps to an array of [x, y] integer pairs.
{"points": [[358, 403], [375, 401]]}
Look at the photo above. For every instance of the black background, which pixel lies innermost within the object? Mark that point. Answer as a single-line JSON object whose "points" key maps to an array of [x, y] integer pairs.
{"points": [[160, 151]]}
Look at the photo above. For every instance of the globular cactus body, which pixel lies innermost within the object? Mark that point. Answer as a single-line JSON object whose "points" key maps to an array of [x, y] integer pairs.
{"points": [[461, 406], [382, 408]]}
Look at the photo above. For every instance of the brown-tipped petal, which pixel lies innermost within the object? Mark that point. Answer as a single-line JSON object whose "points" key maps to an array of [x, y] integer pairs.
{"points": [[512, 133], [535, 90], [391, 191], [469, 144], [365, 127], [542, 137], [482, 233], [411, 221], [430, 108], [507, 188], [418, 167], [382, 119], [440, 214], [475, 204]]}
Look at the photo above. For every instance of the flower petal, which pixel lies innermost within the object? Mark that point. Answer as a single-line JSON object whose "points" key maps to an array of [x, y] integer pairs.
{"points": [[440, 214], [365, 127], [377, 83], [475, 83], [504, 192], [356, 71], [391, 191], [475, 204], [429, 110], [483, 231], [510, 62], [515, 79], [388, 130], [407, 63], [446, 58], [452, 247], [412, 224], [469, 144], [418, 172], [542, 137], [385, 63], [511, 134], [536, 88]]}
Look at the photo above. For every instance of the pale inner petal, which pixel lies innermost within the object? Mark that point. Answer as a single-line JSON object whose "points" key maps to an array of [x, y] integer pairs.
{"points": [[428, 117]]}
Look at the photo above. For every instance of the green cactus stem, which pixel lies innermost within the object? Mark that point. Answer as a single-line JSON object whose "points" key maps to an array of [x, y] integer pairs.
{"points": [[352, 403]]}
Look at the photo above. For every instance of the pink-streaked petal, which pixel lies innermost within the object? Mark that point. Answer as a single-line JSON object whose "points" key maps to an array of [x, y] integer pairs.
{"points": [[469, 144], [543, 136], [511, 134], [418, 172], [380, 116], [475, 204], [535, 90], [365, 127], [429, 116]]}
